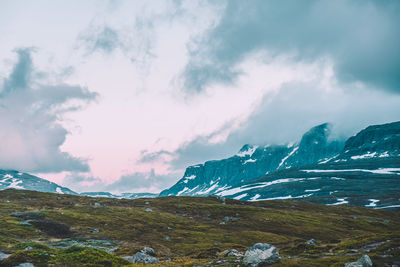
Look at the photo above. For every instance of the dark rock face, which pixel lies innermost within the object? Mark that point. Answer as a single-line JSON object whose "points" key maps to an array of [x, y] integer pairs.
{"points": [[255, 161], [314, 147], [24, 181], [374, 142]]}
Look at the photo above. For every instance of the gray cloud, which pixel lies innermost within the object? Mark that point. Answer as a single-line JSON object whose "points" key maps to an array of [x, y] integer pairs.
{"points": [[134, 41], [362, 38], [80, 182], [139, 181], [30, 115], [283, 117], [104, 39]]}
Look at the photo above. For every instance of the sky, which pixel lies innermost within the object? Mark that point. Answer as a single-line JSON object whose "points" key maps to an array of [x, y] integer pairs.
{"points": [[122, 96]]}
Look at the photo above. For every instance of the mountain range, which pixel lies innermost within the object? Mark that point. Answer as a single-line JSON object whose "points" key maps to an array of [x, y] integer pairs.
{"points": [[363, 170]]}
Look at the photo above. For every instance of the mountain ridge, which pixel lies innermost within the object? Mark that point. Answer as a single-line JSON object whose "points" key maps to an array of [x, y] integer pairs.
{"points": [[365, 172]]}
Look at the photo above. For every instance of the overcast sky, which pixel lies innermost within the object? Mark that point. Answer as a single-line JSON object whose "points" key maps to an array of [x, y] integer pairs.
{"points": [[123, 95]]}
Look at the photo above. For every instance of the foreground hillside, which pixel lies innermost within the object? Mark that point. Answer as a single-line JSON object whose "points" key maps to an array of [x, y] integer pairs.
{"points": [[66, 230]]}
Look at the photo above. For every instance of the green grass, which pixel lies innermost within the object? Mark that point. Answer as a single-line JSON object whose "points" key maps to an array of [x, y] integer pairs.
{"points": [[194, 230]]}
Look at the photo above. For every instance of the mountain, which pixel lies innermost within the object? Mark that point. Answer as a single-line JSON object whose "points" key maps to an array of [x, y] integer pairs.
{"points": [[123, 195], [254, 161], [24, 181], [365, 172]]}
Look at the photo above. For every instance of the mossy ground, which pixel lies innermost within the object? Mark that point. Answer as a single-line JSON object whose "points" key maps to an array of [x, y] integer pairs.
{"points": [[189, 230]]}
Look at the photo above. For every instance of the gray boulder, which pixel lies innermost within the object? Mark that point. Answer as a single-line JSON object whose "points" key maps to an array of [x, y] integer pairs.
{"points": [[148, 250], [261, 254], [141, 257], [3, 255], [364, 261], [231, 253], [25, 264]]}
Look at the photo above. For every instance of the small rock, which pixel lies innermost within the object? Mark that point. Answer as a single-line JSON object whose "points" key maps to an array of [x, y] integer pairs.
{"points": [[25, 264], [112, 250], [216, 244], [231, 253], [148, 250], [364, 261], [168, 260], [226, 219], [234, 253], [7, 201], [261, 254], [169, 228], [3, 255], [96, 204], [234, 219], [146, 203], [28, 248], [311, 241], [167, 238], [95, 231], [59, 198], [141, 257], [222, 223], [148, 210]]}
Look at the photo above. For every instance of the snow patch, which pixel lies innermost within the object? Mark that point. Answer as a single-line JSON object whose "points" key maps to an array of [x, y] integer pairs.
{"points": [[312, 190], [58, 190], [240, 189], [208, 190], [15, 184], [254, 198], [248, 152], [240, 196], [340, 201], [373, 202], [368, 155], [183, 190], [285, 158], [249, 160], [285, 197], [384, 154]]}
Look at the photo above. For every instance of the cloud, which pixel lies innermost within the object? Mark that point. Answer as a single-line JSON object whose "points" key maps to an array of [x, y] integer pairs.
{"points": [[285, 115], [140, 182], [30, 115], [361, 37], [103, 39], [134, 40], [82, 182]]}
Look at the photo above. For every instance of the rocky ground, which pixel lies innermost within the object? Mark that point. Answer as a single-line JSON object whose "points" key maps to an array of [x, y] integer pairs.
{"points": [[46, 229]]}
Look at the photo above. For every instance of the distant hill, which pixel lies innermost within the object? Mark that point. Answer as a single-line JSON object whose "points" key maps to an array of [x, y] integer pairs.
{"points": [[23, 181]]}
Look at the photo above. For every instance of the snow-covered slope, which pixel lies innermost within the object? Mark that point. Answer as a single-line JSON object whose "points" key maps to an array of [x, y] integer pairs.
{"points": [[254, 161], [24, 181]]}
